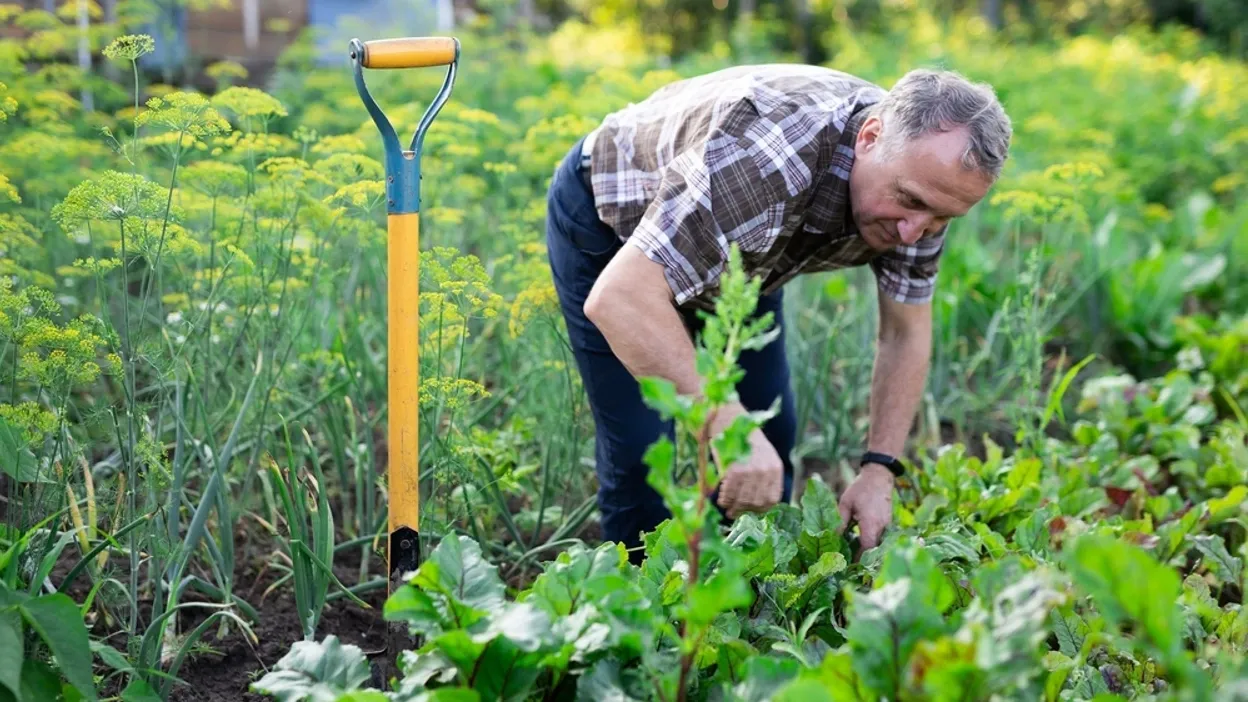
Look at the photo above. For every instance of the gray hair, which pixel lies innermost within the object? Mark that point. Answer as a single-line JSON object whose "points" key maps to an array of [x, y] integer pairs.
{"points": [[926, 101]]}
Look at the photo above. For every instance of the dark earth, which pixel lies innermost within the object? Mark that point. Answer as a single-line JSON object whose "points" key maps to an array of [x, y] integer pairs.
{"points": [[237, 662]]}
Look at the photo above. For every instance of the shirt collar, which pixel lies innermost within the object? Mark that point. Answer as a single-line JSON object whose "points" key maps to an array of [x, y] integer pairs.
{"points": [[848, 136]]}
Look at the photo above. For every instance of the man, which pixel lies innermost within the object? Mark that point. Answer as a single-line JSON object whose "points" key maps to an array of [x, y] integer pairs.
{"points": [[805, 169]]}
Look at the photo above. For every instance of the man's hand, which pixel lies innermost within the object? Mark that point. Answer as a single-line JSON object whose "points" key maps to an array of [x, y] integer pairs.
{"points": [[869, 502], [756, 483]]}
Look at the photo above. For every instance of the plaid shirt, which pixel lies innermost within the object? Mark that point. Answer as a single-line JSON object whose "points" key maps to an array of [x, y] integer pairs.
{"points": [[757, 155]]}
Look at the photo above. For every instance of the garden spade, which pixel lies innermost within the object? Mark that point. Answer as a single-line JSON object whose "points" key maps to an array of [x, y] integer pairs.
{"points": [[403, 290]]}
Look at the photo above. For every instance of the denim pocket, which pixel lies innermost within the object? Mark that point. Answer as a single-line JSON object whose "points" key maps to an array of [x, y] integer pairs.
{"points": [[593, 240], [573, 213]]}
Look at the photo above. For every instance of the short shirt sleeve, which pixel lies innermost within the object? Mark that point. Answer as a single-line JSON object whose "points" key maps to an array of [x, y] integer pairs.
{"points": [[907, 274]]}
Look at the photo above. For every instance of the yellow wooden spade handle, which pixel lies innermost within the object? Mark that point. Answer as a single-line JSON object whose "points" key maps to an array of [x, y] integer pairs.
{"points": [[410, 52]]}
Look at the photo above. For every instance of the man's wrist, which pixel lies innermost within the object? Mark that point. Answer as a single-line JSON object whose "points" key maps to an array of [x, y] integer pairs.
{"points": [[877, 471], [883, 460]]}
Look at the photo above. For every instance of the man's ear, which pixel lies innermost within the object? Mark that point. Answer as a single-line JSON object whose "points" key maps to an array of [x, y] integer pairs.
{"points": [[869, 135]]}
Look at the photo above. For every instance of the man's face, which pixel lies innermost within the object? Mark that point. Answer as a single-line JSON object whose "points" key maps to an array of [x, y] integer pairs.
{"points": [[913, 194]]}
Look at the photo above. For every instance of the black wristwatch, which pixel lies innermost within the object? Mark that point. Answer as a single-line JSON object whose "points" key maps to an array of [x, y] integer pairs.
{"points": [[891, 463]]}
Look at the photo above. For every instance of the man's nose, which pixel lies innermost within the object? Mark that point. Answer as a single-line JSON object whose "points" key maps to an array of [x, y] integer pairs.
{"points": [[912, 229]]}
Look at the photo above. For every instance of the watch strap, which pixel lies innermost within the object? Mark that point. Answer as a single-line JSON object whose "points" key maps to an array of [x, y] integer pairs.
{"points": [[890, 462]]}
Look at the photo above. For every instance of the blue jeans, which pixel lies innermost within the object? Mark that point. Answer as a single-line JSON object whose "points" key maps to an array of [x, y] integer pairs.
{"points": [[579, 246]]}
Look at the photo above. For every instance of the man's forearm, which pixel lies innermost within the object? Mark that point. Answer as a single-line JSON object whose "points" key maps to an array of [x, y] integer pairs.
{"points": [[897, 382]]}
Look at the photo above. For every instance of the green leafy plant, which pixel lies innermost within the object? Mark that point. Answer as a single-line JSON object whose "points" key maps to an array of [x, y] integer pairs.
{"points": [[50, 621]]}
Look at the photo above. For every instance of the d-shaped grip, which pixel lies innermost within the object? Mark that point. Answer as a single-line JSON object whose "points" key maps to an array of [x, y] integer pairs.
{"points": [[410, 52]]}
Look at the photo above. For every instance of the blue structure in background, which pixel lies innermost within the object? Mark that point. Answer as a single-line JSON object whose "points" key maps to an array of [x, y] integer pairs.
{"points": [[338, 21], [335, 23], [170, 36]]}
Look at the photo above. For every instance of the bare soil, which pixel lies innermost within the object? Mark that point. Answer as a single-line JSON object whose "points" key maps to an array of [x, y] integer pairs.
{"points": [[226, 673], [221, 669]]}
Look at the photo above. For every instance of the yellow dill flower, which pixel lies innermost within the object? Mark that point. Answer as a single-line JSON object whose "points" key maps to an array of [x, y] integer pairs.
{"points": [[249, 104], [35, 20], [7, 190], [184, 112], [461, 278], [1026, 204], [305, 135], [240, 256], [48, 43], [172, 143], [446, 215], [1075, 172], [89, 266], [244, 146], [364, 194], [223, 72], [336, 143], [473, 115], [57, 102], [112, 196], [1156, 212], [8, 105], [33, 421], [344, 168], [42, 147], [215, 178], [59, 357], [1224, 184], [288, 172], [454, 393], [532, 301], [130, 47]]}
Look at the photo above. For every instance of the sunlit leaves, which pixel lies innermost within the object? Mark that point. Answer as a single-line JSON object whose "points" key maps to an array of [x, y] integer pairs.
{"points": [[282, 221]]}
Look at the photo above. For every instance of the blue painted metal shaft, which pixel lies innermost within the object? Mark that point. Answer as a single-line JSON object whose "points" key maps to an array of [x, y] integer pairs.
{"points": [[402, 167]]}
